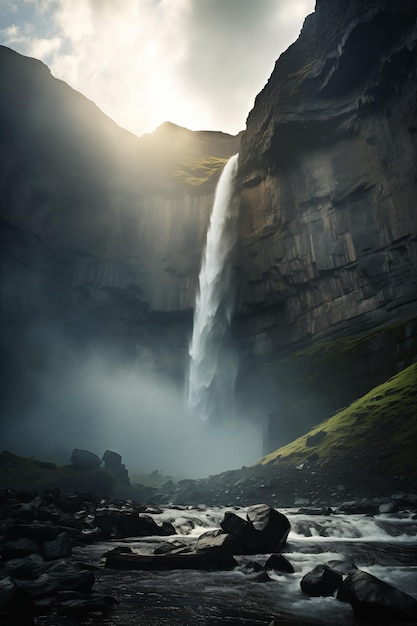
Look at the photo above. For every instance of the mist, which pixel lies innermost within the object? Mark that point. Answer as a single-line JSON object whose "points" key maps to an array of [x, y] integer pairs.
{"points": [[92, 400]]}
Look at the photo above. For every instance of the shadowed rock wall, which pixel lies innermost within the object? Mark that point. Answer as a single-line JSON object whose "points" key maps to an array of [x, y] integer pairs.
{"points": [[328, 231]]}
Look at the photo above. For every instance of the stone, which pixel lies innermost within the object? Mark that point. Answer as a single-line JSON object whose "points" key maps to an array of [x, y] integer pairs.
{"points": [[111, 460], [376, 601], [19, 548], [58, 548], [279, 563], [85, 460], [321, 581], [235, 525], [16, 605], [271, 528]]}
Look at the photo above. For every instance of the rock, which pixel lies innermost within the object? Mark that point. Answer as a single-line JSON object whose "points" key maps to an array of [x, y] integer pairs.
{"points": [[386, 507], [19, 548], [202, 560], [216, 541], [28, 567], [16, 605], [259, 577], [279, 563], [112, 460], [85, 460], [315, 439], [72, 603], [252, 566], [271, 529], [120, 524], [363, 506], [113, 464], [58, 548], [321, 581], [235, 525], [376, 601]]}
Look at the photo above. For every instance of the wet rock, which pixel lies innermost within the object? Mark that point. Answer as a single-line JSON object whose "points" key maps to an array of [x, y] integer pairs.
{"points": [[202, 560], [120, 524], [216, 541], [74, 603], [85, 460], [16, 606], [271, 529], [376, 601], [279, 563], [235, 525], [321, 581], [172, 547], [315, 511], [259, 577], [252, 566], [29, 567], [363, 506], [58, 548], [19, 548]]}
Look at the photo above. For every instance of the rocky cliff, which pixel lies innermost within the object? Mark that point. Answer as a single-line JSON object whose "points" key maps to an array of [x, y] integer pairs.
{"points": [[328, 232], [102, 232]]}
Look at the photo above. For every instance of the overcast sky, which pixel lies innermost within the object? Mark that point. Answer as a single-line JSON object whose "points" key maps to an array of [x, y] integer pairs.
{"points": [[197, 63]]}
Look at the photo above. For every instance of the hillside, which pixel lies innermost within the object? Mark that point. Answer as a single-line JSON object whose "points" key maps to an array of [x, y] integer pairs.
{"points": [[379, 430]]}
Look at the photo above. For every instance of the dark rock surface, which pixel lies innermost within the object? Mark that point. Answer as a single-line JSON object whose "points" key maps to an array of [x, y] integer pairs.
{"points": [[327, 241], [376, 601], [84, 459]]}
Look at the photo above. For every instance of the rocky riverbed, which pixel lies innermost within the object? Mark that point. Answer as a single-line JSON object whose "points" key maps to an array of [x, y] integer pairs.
{"points": [[69, 558]]}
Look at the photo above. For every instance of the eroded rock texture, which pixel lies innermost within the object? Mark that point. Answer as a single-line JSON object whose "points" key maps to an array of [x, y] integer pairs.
{"points": [[328, 244], [328, 170]]}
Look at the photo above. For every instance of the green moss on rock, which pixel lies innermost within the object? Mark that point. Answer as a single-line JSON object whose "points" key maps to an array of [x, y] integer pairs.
{"points": [[381, 425]]}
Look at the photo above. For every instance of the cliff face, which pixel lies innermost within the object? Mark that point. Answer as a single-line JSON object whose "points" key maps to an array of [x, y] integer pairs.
{"points": [[101, 231], [328, 169], [328, 244]]}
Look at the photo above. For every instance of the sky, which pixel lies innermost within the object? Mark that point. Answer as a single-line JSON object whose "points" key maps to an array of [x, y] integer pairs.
{"points": [[196, 63]]}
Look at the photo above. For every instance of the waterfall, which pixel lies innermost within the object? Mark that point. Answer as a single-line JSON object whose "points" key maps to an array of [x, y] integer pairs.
{"points": [[213, 365]]}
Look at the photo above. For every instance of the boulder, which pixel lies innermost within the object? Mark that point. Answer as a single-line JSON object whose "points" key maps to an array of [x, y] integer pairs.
{"points": [[74, 603], [235, 525], [19, 548], [279, 563], [376, 601], [271, 529], [58, 548], [16, 605], [85, 460], [112, 460], [321, 581]]}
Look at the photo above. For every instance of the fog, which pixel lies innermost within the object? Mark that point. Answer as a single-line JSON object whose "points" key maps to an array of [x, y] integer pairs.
{"points": [[91, 400]]}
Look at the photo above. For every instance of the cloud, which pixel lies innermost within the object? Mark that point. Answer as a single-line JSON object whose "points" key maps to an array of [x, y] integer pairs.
{"points": [[198, 63]]}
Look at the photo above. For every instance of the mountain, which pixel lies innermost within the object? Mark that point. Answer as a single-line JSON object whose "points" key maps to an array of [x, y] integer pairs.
{"points": [[327, 259]]}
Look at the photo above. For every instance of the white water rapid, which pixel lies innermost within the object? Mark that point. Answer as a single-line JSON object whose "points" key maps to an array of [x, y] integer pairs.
{"points": [[213, 366]]}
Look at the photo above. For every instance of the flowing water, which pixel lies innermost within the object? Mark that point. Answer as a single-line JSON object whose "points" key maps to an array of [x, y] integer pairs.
{"points": [[213, 365], [384, 545]]}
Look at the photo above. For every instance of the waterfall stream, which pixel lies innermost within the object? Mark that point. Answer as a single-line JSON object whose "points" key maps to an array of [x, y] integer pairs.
{"points": [[213, 365]]}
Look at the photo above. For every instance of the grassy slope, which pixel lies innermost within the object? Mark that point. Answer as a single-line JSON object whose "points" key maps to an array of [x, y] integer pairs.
{"points": [[382, 423]]}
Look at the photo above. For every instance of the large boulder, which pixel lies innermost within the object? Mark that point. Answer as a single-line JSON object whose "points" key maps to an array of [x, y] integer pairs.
{"points": [[235, 525], [321, 581], [113, 464], [85, 460], [271, 529], [376, 601]]}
